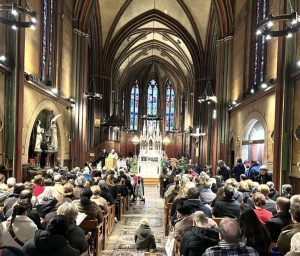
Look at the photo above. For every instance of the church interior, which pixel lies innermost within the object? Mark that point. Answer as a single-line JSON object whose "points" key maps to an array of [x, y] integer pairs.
{"points": [[204, 79]]}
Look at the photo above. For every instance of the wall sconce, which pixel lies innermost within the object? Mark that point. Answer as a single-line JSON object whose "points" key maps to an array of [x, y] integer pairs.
{"points": [[91, 95]]}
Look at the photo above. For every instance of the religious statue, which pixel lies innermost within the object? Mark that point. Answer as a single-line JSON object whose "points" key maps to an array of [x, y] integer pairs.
{"points": [[53, 129], [39, 137]]}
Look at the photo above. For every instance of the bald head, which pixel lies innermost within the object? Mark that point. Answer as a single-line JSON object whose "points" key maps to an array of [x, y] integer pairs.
{"points": [[230, 230]]}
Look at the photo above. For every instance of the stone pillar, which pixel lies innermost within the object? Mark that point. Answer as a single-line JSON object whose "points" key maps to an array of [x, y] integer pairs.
{"points": [[220, 128]]}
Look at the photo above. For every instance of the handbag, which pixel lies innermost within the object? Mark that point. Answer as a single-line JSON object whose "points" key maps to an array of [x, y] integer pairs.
{"points": [[170, 244]]}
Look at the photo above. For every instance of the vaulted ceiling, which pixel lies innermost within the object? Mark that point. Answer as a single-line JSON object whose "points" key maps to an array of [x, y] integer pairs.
{"points": [[142, 37]]}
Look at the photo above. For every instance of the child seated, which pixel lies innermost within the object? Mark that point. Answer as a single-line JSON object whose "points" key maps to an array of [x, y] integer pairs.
{"points": [[144, 238]]}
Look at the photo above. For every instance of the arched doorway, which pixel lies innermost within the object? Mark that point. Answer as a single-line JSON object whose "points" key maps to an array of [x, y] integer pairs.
{"points": [[253, 144]]}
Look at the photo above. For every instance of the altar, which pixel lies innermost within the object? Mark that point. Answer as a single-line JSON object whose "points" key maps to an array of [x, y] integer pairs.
{"points": [[149, 159]]}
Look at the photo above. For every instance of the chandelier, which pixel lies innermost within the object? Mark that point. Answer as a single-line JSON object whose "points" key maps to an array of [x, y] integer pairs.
{"points": [[290, 22], [17, 16]]}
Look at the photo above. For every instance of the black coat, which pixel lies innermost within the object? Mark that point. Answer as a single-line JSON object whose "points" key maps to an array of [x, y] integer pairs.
{"points": [[263, 179], [197, 205], [196, 241], [277, 223], [237, 171], [105, 193], [45, 244], [76, 238], [226, 207], [224, 171]]}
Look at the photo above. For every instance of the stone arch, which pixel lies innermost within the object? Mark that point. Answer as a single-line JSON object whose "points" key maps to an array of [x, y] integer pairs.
{"points": [[250, 120], [45, 105]]}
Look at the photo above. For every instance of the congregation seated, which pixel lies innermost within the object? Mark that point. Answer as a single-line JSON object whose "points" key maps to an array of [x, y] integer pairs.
{"points": [[122, 188], [245, 189], [79, 182], [206, 194], [259, 202], [68, 191], [105, 193], [58, 186], [256, 234], [90, 208], [18, 228], [3, 186], [227, 206], [74, 234], [263, 177], [237, 196], [110, 181], [230, 244], [99, 200], [281, 219], [38, 185], [173, 190], [52, 241], [273, 195], [10, 201], [195, 203], [270, 204], [286, 190], [284, 239], [295, 245], [11, 182], [184, 219], [201, 237]]}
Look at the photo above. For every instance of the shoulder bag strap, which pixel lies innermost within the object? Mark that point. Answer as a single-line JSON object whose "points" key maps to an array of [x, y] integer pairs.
{"points": [[13, 235]]}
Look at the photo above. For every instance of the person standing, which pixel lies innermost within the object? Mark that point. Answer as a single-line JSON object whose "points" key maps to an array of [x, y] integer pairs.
{"points": [[223, 170], [238, 169]]}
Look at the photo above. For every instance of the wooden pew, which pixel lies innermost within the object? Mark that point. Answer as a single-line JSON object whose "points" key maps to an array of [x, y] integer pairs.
{"points": [[105, 229], [94, 232], [119, 206], [124, 204], [167, 218], [111, 219]]}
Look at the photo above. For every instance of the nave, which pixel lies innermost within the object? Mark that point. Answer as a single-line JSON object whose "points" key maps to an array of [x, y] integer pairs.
{"points": [[121, 241]]}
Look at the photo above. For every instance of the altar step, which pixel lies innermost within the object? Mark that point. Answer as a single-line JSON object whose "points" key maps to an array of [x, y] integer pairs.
{"points": [[151, 181]]}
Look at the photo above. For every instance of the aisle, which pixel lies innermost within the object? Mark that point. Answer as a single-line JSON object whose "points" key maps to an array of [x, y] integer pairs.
{"points": [[121, 242]]}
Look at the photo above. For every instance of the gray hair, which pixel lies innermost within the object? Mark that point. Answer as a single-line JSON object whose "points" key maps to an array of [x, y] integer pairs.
{"points": [[230, 230], [295, 242], [11, 182], [69, 210]]}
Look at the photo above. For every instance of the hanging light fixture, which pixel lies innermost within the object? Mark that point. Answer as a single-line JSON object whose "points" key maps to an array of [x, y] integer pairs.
{"points": [[17, 16], [290, 21]]}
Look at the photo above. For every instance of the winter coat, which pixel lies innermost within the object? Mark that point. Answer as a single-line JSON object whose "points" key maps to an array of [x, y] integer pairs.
{"points": [[23, 227], [46, 244], [182, 225], [197, 205], [196, 241], [252, 172], [273, 194], [144, 238], [277, 223], [207, 196], [284, 239], [11, 251], [224, 171], [237, 171], [75, 236], [105, 193], [226, 207], [92, 210], [263, 179]]}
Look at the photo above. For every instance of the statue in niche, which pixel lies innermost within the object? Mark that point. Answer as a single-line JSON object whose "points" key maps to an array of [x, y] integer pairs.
{"points": [[39, 137], [53, 132]]}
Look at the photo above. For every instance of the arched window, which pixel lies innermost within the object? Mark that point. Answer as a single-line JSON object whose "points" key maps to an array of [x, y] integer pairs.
{"points": [[134, 106], [170, 107], [254, 141], [48, 40], [152, 98], [260, 45]]}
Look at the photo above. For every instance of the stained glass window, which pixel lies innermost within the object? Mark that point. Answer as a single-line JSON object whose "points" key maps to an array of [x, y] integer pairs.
{"points": [[170, 108], [152, 98], [260, 45], [48, 39], [134, 107]]}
